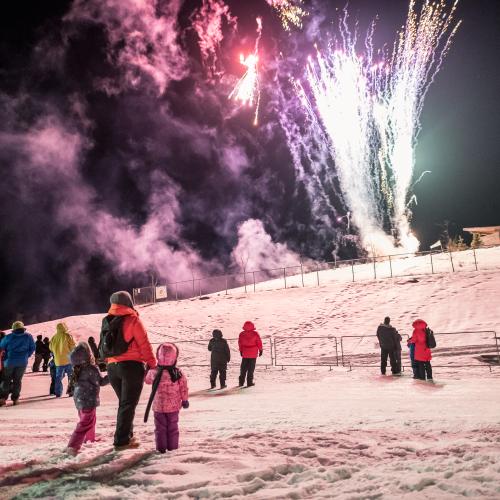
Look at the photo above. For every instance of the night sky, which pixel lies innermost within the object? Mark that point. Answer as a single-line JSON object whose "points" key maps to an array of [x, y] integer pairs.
{"points": [[122, 156]]}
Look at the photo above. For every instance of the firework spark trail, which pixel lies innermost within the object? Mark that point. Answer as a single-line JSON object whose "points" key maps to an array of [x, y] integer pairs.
{"points": [[290, 12], [370, 111], [247, 90], [208, 21]]}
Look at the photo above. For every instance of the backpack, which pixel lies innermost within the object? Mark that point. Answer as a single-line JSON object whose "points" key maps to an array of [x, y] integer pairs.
{"points": [[112, 342], [429, 338]]}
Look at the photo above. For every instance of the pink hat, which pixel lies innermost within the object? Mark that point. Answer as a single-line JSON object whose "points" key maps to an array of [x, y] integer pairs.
{"points": [[167, 354]]}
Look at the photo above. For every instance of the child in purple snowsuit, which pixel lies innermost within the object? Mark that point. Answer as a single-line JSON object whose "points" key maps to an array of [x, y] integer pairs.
{"points": [[87, 385], [169, 395]]}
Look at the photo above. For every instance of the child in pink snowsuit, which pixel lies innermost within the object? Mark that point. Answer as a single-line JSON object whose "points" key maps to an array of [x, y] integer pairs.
{"points": [[170, 393]]}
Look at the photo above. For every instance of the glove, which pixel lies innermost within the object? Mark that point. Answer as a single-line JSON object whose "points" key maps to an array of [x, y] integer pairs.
{"points": [[260, 354], [241, 354], [185, 404]]}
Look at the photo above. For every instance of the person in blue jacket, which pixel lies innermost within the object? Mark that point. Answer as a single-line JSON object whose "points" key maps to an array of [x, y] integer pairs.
{"points": [[18, 346]]}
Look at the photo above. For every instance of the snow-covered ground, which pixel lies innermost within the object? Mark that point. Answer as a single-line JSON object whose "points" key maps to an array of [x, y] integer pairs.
{"points": [[301, 432]]}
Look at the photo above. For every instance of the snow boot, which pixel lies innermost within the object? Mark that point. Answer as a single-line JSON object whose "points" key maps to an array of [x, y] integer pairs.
{"points": [[223, 386], [131, 444], [15, 402], [71, 451]]}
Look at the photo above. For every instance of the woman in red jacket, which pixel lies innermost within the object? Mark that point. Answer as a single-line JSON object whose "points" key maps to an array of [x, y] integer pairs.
{"points": [[126, 371], [250, 346], [423, 354]]}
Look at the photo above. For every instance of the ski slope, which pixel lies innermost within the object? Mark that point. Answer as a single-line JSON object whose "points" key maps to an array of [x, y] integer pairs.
{"points": [[302, 431]]}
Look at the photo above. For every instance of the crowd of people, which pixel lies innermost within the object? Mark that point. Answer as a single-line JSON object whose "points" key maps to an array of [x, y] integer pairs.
{"points": [[126, 353]]}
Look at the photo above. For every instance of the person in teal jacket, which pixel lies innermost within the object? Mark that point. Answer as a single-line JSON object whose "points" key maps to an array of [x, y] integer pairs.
{"points": [[18, 346]]}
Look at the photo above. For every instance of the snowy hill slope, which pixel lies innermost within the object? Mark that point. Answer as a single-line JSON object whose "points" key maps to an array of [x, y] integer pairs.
{"points": [[302, 432]]}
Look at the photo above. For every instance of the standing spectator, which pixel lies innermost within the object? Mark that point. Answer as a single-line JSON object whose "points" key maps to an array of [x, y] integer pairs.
{"points": [[423, 354], [18, 347], [250, 345], [386, 335], [220, 357], [88, 382], [38, 354], [126, 347], [46, 353], [61, 345], [2, 335], [168, 395]]}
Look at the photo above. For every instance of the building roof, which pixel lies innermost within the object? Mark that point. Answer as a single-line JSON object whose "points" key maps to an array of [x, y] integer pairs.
{"points": [[483, 230]]}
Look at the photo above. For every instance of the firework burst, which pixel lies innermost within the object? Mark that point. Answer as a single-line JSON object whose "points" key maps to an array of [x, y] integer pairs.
{"points": [[290, 12], [370, 112], [247, 90]]}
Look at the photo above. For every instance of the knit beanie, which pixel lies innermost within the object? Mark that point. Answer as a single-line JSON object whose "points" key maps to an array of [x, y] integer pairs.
{"points": [[17, 325], [122, 298]]}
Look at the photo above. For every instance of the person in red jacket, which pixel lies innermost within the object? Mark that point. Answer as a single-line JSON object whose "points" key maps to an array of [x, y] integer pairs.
{"points": [[422, 354], [126, 371], [250, 346]]}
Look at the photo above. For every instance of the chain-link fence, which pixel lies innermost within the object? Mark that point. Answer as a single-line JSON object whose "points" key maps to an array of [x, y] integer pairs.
{"points": [[309, 274]]}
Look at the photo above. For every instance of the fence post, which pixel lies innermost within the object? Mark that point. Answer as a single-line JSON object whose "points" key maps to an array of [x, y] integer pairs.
{"points": [[342, 350], [451, 260], [245, 280], [336, 351], [352, 269], [317, 273], [176, 291], [302, 273], [374, 267], [498, 351], [193, 288], [475, 260], [432, 264], [390, 264], [271, 346], [226, 284], [199, 284], [284, 275], [253, 272]]}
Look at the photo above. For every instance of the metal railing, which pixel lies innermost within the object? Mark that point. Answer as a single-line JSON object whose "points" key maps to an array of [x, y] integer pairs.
{"points": [[364, 353], [307, 274], [200, 355]]}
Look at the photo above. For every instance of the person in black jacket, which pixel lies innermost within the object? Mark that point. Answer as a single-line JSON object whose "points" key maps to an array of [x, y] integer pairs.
{"points": [[39, 349], [219, 359], [46, 353], [388, 340]]}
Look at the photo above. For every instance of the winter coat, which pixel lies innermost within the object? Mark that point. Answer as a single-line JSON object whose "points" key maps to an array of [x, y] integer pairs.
{"points": [[39, 347], [135, 333], [61, 344], [169, 395], [221, 355], [419, 338], [249, 341], [46, 350], [18, 346], [387, 338], [89, 381]]}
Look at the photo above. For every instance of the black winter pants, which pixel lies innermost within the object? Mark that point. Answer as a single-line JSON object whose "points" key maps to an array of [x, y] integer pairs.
{"points": [[221, 371], [37, 362], [424, 368], [127, 379], [246, 370], [11, 382], [392, 358]]}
